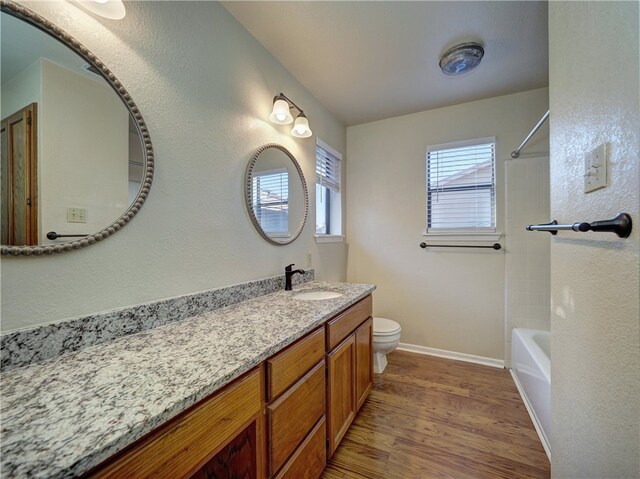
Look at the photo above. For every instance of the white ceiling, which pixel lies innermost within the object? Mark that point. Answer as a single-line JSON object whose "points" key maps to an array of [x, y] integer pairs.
{"points": [[367, 61]]}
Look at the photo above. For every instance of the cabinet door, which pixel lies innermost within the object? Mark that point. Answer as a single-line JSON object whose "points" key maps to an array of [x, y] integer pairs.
{"points": [[364, 361], [239, 458], [341, 407], [184, 445]]}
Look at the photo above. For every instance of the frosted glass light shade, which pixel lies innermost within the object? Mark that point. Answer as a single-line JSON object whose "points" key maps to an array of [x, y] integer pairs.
{"points": [[111, 9], [280, 114], [461, 58], [301, 127]]}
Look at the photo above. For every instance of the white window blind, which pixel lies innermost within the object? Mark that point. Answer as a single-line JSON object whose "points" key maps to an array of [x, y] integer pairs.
{"points": [[271, 200], [461, 187], [327, 169]]}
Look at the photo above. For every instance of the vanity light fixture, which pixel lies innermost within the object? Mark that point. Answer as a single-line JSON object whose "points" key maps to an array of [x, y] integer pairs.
{"points": [[301, 127], [111, 9], [281, 115]]}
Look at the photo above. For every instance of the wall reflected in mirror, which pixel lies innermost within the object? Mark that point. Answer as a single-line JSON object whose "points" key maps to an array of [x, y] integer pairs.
{"points": [[72, 159]]}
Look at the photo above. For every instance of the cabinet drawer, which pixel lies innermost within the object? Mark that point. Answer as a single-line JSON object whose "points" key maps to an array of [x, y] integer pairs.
{"points": [[343, 325], [182, 445], [292, 415], [286, 367], [310, 459]]}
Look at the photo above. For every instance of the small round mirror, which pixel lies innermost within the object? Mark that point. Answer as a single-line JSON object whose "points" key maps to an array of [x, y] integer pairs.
{"points": [[276, 194]]}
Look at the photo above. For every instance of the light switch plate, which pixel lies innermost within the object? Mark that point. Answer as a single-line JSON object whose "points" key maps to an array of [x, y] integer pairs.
{"points": [[595, 169], [76, 215]]}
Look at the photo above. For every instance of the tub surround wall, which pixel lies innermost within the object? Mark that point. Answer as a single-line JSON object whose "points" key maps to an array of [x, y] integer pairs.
{"points": [[65, 415], [595, 277], [527, 253], [205, 87], [445, 299], [32, 345]]}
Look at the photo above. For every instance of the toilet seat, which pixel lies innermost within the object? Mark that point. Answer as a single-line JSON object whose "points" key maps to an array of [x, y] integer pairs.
{"points": [[385, 327]]}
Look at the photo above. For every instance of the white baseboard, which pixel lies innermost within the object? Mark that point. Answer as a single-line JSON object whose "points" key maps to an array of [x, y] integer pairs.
{"points": [[532, 415], [441, 353]]}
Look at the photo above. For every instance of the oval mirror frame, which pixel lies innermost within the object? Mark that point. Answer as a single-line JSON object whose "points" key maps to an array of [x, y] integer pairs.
{"points": [[32, 18], [249, 194]]}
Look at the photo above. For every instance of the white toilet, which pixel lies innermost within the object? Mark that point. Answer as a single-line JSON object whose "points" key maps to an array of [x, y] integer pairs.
{"points": [[386, 336]]}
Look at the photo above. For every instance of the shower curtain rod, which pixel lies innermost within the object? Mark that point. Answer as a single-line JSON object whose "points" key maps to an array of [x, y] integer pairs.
{"points": [[516, 152]]}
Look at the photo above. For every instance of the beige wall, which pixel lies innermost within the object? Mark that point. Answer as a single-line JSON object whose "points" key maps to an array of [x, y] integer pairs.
{"points": [[443, 299], [84, 149], [595, 337], [205, 87]]}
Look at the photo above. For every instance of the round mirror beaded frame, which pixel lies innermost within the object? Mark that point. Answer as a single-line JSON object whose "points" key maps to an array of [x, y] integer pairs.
{"points": [[249, 194], [23, 13]]}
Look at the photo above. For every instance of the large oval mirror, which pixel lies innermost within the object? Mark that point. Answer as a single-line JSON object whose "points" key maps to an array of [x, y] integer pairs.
{"points": [[77, 161], [276, 194]]}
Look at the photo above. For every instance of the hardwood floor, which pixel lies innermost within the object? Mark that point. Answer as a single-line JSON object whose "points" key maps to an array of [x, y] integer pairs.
{"points": [[428, 417]]}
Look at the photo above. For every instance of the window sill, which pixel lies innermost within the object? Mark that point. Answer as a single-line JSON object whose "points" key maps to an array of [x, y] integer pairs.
{"points": [[464, 236], [278, 235], [329, 238]]}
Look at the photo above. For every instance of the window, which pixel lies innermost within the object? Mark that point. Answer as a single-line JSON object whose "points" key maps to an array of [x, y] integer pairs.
{"points": [[328, 199], [461, 187], [271, 201]]}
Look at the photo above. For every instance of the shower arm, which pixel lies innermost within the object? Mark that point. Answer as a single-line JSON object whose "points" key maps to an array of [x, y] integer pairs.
{"points": [[516, 152]]}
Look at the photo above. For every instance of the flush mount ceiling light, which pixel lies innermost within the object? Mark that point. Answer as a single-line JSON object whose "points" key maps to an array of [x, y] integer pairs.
{"points": [[461, 58], [281, 115], [111, 9]]}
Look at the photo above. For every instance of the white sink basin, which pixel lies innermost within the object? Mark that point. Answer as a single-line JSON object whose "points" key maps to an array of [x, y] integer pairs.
{"points": [[316, 295]]}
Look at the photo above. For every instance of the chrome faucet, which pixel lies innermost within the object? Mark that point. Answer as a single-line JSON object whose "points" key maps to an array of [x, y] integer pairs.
{"points": [[288, 274]]}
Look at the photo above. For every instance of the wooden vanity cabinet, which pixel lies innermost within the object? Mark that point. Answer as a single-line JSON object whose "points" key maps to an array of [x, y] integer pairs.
{"points": [[279, 421], [224, 433], [349, 368], [296, 389]]}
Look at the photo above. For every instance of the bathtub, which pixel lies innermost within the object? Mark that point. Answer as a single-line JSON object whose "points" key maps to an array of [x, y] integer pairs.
{"points": [[531, 371]]}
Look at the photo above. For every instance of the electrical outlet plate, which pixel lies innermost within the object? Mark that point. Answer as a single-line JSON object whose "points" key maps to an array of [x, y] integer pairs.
{"points": [[76, 215], [309, 260], [595, 169]]}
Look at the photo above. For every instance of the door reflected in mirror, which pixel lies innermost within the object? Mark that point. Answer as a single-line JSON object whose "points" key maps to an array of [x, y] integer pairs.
{"points": [[72, 158], [276, 194]]}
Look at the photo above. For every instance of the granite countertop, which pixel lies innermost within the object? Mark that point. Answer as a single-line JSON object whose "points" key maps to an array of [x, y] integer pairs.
{"points": [[65, 415]]}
